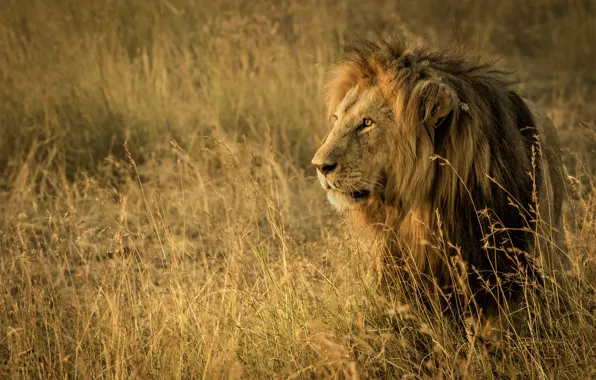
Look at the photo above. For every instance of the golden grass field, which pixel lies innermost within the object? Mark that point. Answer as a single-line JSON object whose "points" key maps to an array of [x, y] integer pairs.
{"points": [[160, 218]]}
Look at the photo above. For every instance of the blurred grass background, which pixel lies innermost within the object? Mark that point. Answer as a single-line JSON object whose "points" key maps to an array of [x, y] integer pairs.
{"points": [[158, 213]]}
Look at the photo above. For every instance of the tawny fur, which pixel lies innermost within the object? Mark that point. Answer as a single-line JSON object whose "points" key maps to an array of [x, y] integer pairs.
{"points": [[464, 175]]}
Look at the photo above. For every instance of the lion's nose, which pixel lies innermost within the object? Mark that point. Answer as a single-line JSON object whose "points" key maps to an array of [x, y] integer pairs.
{"points": [[326, 168]]}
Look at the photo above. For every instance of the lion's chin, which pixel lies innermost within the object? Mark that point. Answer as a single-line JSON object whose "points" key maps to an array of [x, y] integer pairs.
{"points": [[347, 201]]}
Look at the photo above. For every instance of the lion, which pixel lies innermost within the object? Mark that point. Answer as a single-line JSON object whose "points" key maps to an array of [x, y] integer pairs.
{"points": [[456, 177]]}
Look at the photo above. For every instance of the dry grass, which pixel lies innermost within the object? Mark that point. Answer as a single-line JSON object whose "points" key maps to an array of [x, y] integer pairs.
{"points": [[202, 247]]}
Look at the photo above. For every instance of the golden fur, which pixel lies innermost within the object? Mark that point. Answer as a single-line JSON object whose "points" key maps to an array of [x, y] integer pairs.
{"points": [[458, 177]]}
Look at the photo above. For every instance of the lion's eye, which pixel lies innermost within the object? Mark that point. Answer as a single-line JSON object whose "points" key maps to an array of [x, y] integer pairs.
{"points": [[366, 125]]}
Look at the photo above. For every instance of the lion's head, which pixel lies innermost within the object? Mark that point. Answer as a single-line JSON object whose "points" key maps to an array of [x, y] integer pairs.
{"points": [[388, 111], [354, 158]]}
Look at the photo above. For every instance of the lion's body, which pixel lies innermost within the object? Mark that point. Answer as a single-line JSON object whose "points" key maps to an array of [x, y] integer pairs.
{"points": [[458, 178]]}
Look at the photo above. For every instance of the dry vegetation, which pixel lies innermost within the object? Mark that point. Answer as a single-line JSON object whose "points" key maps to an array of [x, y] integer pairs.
{"points": [[158, 213]]}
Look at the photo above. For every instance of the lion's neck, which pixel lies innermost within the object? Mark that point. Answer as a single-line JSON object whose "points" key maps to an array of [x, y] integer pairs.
{"points": [[409, 236]]}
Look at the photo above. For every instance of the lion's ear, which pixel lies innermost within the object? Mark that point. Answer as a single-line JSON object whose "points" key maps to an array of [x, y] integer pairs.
{"points": [[435, 100]]}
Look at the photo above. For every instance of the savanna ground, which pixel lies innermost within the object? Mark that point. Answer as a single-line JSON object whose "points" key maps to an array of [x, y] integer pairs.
{"points": [[159, 217]]}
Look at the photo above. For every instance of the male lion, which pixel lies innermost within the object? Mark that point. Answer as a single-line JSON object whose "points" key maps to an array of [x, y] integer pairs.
{"points": [[457, 177]]}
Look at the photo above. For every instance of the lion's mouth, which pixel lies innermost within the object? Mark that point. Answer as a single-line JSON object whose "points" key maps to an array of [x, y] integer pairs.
{"points": [[358, 195], [347, 200]]}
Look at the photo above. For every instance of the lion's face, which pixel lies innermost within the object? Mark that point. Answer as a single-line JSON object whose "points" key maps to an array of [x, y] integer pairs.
{"points": [[352, 162]]}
